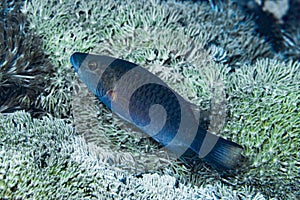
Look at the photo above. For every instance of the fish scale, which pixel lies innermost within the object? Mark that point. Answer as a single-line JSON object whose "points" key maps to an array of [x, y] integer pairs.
{"points": [[156, 94]]}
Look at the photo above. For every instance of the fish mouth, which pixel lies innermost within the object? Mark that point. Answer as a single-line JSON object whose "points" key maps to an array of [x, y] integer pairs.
{"points": [[77, 59]]}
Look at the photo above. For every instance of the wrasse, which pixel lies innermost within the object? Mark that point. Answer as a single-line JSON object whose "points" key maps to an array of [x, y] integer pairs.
{"points": [[143, 99]]}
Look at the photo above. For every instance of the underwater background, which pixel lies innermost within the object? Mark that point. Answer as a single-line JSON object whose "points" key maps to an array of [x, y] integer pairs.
{"points": [[59, 142]]}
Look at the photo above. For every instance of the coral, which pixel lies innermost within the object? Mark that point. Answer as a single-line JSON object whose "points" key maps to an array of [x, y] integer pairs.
{"points": [[279, 26], [291, 33], [187, 45], [138, 31], [43, 158], [235, 32], [24, 69], [60, 26], [264, 105], [34, 159], [194, 39], [291, 48]]}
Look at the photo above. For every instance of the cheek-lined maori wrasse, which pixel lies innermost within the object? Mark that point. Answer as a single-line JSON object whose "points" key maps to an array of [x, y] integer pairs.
{"points": [[141, 98]]}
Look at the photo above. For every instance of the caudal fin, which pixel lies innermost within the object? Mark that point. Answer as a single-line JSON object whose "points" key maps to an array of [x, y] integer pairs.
{"points": [[222, 154], [225, 155]]}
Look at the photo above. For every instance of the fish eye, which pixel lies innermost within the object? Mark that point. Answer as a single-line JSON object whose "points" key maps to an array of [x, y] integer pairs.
{"points": [[92, 65]]}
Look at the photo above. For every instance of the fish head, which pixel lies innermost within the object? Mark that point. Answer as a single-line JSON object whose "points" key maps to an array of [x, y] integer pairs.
{"points": [[91, 70]]}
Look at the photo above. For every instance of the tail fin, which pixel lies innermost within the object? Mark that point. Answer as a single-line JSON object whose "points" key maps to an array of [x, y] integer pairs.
{"points": [[222, 154], [225, 155]]}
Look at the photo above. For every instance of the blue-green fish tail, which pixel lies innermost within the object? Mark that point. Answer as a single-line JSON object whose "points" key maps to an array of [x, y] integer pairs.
{"points": [[218, 152]]}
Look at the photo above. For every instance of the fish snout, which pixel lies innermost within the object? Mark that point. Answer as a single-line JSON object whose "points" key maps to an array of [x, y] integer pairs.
{"points": [[77, 59]]}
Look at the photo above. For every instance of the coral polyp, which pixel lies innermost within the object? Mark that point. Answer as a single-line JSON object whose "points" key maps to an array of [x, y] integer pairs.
{"points": [[24, 68]]}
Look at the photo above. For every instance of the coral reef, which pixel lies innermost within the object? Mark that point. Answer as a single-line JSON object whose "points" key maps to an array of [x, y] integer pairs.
{"points": [[57, 23], [263, 100], [42, 158], [139, 31], [193, 49], [24, 69], [279, 26], [264, 104]]}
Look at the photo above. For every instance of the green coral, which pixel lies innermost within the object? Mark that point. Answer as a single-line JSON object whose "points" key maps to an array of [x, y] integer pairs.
{"points": [[263, 100], [44, 159], [265, 105], [35, 161], [140, 32]]}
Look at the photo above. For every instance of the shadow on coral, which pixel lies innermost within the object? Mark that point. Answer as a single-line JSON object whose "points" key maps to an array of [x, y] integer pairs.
{"points": [[24, 68]]}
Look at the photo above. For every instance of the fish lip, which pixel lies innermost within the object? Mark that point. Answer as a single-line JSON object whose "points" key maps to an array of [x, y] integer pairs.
{"points": [[77, 59]]}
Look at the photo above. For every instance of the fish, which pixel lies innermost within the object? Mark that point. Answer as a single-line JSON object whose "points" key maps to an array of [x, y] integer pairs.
{"points": [[144, 100]]}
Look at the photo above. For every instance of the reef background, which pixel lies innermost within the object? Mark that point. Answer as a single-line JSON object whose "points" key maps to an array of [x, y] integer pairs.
{"points": [[59, 142]]}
